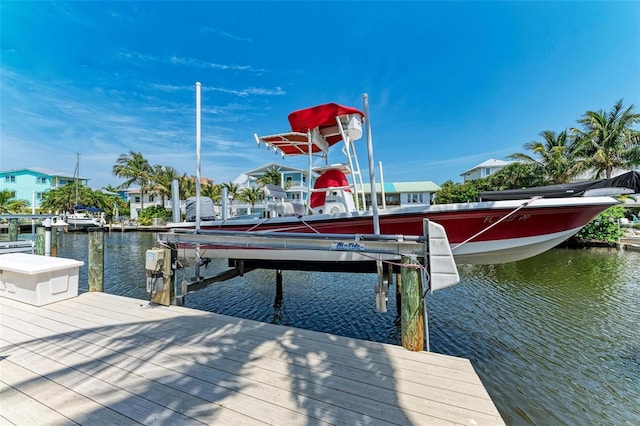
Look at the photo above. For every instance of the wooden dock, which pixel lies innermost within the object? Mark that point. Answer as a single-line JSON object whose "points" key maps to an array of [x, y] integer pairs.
{"points": [[105, 359]]}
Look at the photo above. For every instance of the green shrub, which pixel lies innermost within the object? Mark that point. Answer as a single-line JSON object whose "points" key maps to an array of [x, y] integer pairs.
{"points": [[604, 227], [146, 216]]}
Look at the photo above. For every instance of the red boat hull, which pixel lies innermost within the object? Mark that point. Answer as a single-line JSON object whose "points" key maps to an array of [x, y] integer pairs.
{"points": [[490, 232]]}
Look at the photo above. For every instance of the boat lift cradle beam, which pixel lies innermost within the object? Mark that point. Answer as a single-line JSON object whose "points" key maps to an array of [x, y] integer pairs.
{"points": [[366, 243], [433, 248]]}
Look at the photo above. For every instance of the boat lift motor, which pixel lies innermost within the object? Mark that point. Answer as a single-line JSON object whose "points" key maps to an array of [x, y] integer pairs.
{"points": [[154, 261]]}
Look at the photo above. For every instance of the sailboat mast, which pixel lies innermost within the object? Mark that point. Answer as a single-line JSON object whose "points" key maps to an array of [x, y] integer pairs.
{"points": [[77, 174]]}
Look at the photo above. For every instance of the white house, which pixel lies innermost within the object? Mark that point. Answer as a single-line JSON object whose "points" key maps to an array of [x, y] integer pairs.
{"points": [[296, 182], [136, 202], [485, 169]]}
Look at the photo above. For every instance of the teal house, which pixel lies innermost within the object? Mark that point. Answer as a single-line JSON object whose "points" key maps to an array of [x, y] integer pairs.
{"points": [[29, 184]]}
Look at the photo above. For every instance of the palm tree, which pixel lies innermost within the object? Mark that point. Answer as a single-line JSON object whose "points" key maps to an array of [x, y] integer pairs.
{"points": [[251, 195], [9, 204], [608, 139], [516, 175], [135, 169], [232, 190], [161, 178], [558, 155], [271, 176], [211, 190], [187, 185]]}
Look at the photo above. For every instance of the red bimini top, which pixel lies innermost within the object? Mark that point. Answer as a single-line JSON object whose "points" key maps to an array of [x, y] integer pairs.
{"points": [[320, 116], [329, 179]]}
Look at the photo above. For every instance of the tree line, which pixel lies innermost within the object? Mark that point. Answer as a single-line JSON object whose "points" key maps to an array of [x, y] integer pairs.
{"points": [[602, 142], [137, 171]]}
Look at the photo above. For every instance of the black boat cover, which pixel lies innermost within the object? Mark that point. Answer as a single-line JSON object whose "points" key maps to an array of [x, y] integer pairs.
{"points": [[630, 180], [206, 209]]}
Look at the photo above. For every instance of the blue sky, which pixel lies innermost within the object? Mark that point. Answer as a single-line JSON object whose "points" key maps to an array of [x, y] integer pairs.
{"points": [[450, 84]]}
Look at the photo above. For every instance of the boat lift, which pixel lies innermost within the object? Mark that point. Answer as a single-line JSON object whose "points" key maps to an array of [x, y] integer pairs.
{"points": [[433, 248]]}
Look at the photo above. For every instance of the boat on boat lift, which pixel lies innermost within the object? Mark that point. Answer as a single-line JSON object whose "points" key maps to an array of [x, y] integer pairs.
{"points": [[487, 232]]}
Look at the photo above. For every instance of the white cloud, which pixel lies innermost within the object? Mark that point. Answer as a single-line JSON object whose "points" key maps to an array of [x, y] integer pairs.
{"points": [[225, 34]]}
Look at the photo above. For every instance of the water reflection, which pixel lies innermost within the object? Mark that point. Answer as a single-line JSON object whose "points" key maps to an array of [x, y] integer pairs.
{"points": [[559, 330]]}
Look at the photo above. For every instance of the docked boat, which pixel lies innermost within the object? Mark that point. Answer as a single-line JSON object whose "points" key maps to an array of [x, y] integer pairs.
{"points": [[83, 218], [485, 232]]}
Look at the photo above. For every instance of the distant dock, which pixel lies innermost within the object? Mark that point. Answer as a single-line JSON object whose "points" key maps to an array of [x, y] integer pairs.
{"points": [[101, 358], [629, 243]]}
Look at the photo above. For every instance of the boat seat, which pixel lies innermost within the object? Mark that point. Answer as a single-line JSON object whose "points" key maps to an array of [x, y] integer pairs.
{"points": [[274, 191]]}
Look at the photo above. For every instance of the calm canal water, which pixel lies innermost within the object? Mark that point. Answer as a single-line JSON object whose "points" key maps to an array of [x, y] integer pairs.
{"points": [[555, 339]]}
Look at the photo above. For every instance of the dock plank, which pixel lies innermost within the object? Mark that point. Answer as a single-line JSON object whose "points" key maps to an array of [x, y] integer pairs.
{"points": [[153, 364], [75, 407], [19, 408]]}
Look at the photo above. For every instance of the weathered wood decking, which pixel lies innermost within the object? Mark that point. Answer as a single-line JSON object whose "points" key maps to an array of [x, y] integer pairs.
{"points": [[105, 359]]}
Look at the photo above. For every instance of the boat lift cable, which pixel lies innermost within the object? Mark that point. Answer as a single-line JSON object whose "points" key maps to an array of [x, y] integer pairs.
{"points": [[523, 205], [252, 229]]}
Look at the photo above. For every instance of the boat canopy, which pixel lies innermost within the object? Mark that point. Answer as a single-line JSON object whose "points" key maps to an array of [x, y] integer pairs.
{"points": [[320, 121], [88, 209], [320, 116], [315, 130], [291, 143], [627, 183]]}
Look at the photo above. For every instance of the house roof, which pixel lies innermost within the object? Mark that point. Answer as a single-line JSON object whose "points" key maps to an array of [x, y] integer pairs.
{"points": [[261, 170], [42, 171], [489, 163]]}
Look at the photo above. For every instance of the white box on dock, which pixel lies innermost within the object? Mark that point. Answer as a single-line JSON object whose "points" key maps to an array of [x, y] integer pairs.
{"points": [[38, 280]]}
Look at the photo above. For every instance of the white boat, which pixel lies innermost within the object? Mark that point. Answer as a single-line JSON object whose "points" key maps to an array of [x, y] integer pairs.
{"points": [[83, 218], [479, 233]]}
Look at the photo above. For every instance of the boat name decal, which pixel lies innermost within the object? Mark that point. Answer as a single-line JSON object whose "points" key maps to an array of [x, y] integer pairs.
{"points": [[520, 218], [347, 246]]}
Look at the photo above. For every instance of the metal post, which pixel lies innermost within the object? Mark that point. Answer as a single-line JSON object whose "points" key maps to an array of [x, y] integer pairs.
{"points": [[198, 137], [382, 288], [382, 193], [372, 175], [47, 236], [225, 195], [96, 259], [175, 200], [33, 212]]}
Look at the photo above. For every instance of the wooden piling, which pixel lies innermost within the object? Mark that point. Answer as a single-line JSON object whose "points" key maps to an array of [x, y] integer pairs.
{"points": [[40, 240], [277, 302], [412, 306], [96, 259], [13, 229], [54, 241], [399, 294], [166, 294]]}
